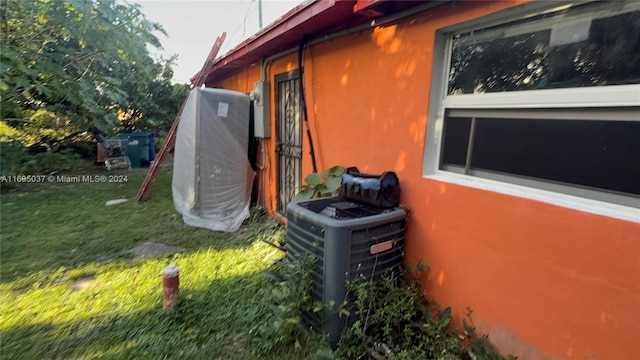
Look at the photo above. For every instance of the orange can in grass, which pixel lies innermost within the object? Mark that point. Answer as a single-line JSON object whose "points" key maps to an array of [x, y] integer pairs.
{"points": [[170, 286]]}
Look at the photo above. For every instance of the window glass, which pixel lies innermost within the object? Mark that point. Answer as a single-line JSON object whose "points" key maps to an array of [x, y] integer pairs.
{"points": [[590, 153], [456, 138], [552, 51]]}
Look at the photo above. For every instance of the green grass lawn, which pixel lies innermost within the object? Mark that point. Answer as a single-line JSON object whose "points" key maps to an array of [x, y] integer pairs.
{"points": [[69, 290]]}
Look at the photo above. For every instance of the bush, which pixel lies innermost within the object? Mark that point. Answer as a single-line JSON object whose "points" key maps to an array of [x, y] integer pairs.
{"points": [[393, 319], [393, 322], [15, 160], [85, 148], [42, 163], [12, 155], [280, 325]]}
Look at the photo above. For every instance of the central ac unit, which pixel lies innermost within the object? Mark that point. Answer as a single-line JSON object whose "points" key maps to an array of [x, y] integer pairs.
{"points": [[347, 239]]}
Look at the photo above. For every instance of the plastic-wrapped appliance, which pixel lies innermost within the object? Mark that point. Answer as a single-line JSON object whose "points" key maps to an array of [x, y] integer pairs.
{"points": [[212, 175]]}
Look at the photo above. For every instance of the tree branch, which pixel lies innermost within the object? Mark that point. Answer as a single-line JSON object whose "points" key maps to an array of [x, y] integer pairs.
{"points": [[72, 61]]}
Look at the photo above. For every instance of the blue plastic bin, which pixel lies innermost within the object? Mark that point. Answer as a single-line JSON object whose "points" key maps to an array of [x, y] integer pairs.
{"points": [[141, 147]]}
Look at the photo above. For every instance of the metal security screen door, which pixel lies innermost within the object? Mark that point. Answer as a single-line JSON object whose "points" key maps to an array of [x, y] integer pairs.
{"points": [[288, 137]]}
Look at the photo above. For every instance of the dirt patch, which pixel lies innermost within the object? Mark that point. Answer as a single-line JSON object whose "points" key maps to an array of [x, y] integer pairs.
{"points": [[104, 259], [233, 341], [150, 249], [96, 241], [85, 282]]}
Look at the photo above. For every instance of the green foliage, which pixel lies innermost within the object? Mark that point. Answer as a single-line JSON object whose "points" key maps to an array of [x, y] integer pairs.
{"points": [[154, 102], [38, 124], [59, 162], [280, 325], [326, 183], [85, 147], [14, 160], [83, 63], [13, 156], [394, 323]]}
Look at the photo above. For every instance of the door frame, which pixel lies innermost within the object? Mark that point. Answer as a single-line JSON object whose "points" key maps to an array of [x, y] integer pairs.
{"points": [[288, 126]]}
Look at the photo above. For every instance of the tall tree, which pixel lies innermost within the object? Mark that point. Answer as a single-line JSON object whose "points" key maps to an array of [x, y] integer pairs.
{"points": [[153, 103], [70, 59]]}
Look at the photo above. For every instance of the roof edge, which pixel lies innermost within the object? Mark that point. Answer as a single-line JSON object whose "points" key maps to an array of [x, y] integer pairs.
{"points": [[303, 18]]}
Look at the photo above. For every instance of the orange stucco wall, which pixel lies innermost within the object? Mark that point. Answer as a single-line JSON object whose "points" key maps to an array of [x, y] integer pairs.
{"points": [[545, 282]]}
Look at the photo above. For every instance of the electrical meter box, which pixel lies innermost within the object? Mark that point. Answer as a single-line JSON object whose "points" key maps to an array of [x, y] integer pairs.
{"points": [[261, 97]]}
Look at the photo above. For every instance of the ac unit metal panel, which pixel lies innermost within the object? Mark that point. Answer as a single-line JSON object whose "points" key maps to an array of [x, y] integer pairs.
{"points": [[344, 246]]}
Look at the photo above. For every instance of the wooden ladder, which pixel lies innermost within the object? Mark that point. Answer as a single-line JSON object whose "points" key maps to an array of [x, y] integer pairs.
{"points": [[170, 140]]}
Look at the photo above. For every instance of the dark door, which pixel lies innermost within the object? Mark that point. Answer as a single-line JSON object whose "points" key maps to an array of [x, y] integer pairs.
{"points": [[288, 137]]}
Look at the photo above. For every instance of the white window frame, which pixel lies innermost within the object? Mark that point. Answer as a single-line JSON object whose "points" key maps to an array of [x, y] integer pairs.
{"points": [[624, 99]]}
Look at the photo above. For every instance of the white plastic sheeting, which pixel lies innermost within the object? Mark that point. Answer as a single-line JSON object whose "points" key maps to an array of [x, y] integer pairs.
{"points": [[212, 176]]}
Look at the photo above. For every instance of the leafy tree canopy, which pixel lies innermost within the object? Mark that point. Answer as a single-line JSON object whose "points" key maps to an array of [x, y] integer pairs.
{"points": [[82, 63]]}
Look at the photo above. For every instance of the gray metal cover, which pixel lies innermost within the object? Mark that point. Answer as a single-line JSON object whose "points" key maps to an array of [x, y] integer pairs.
{"points": [[368, 243]]}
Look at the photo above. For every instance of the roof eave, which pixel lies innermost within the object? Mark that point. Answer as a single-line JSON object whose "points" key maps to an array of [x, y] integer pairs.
{"points": [[306, 19], [310, 19]]}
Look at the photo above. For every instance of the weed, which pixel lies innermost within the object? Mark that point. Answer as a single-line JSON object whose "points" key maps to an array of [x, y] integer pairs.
{"points": [[281, 324], [326, 183], [393, 322]]}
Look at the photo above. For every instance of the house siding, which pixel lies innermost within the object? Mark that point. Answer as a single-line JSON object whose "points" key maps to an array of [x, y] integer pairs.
{"points": [[544, 281]]}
